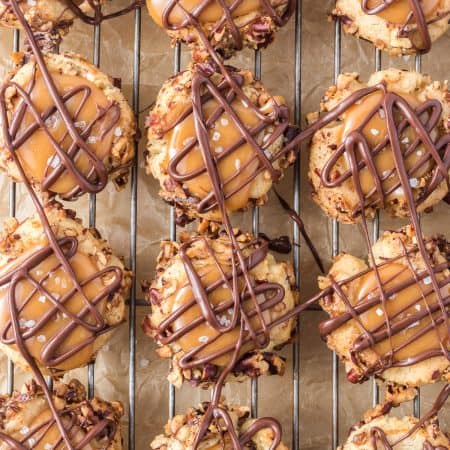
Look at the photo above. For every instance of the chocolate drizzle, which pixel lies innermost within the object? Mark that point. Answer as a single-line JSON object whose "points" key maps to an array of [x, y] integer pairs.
{"points": [[63, 250]]}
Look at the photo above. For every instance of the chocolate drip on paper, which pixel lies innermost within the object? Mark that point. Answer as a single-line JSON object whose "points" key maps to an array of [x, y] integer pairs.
{"points": [[63, 249], [64, 161], [227, 20]]}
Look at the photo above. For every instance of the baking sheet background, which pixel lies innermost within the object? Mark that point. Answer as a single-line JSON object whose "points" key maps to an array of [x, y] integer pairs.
{"points": [[113, 212]]}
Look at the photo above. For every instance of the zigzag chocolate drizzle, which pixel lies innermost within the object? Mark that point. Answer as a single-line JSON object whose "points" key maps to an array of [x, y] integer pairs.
{"points": [[64, 161], [192, 17]]}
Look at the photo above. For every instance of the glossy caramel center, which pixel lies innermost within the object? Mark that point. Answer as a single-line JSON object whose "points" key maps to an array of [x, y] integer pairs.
{"points": [[38, 155], [375, 131], [33, 305], [237, 169], [405, 302]]}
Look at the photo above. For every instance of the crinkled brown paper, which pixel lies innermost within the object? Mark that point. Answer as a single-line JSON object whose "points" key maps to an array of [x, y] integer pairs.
{"points": [[113, 220]]}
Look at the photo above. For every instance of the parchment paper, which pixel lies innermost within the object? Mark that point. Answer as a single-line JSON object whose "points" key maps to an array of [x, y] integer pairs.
{"points": [[113, 212]]}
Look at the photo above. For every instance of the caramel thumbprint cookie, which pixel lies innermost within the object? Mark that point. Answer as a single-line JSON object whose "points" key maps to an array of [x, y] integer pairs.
{"points": [[26, 420], [66, 127], [58, 308], [45, 15], [223, 27], [400, 27], [391, 319], [208, 131], [197, 310], [381, 145], [383, 431], [181, 432]]}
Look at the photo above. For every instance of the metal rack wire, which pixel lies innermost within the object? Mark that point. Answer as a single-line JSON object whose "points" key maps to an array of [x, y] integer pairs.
{"points": [[335, 234]]}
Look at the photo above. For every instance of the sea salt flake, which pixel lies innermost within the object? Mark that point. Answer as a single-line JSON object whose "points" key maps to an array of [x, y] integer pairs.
{"points": [[216, 136], [90, 76], [143, 363], [42, 299], [30, 323], [418, 307], [427, 280], [237, 164], [41, 338], [80, 124], [91, 139], [51, 121], [399, 191], [31, 2], [413, 182], [224, 121], [53, 161], [24, 430], [48, 446], [405, 140], [385, 173], [203, 339], [379, 311], [118, 132], [31, 442], [374, 131], [63, 283], [56, 296], [382, 113], [225, 286], [219, 149], [419, 153]]}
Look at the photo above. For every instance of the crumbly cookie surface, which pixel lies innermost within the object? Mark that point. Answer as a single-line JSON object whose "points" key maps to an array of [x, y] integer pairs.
{"points": [[388, 249], [70, 72], [341, 201], [28, 410], [384, 426], [43, 15], [180, 432], [93, 255], [385, 34], [254, 26], [170, 284], [167, 136]]}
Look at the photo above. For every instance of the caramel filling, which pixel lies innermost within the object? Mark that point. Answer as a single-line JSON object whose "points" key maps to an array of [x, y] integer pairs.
{"points": [[38, 155], [405, 303], [375, 131], [236, 168], [209, 11], [399, 12], [33, 305], [204, 333]]}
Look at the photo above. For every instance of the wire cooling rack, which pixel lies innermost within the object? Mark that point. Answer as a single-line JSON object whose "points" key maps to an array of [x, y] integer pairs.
{"points": [[133, 211]]}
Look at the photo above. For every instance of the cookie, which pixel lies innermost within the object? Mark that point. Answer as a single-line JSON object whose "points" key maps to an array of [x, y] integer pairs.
{"points": [[379, 429], [44, 15], [63, 319], [245, 163], [26, 420], [68, 163], [388, 332], [186, 331], [210, 26], [181, 431], [355, 122], [404, 27]]}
